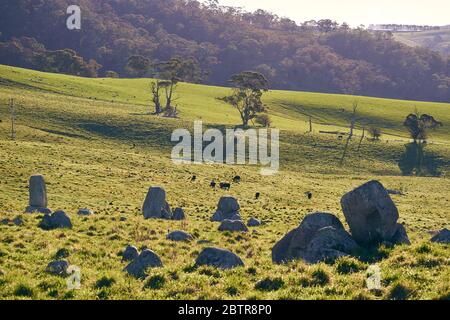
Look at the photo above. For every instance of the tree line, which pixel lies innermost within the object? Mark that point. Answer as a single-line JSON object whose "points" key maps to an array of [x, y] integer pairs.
{"points": [[321, 56]]}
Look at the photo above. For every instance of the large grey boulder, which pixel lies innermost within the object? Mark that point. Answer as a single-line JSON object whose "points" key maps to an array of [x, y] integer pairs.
{"points": [[130, 253], [38, 192], [178, 214], [58, 267], [179, 236], [58, 219], [138, 267], [227, 209], [155, 205], [37, 195], [320, 236], [442, 237], [370, 213], [233, 225], [218, 258]]}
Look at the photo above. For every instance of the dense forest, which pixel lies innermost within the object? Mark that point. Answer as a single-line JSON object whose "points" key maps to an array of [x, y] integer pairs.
{"points": [[320, 56]]}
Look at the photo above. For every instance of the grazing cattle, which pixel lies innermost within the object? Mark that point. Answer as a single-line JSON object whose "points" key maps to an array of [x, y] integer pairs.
{"points": [[225, 186], [257, 195], [309, 195], [213, 184], [237, 179], [193, 178]]}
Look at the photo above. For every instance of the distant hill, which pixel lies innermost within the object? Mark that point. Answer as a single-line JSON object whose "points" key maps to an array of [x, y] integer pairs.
{"points": [[319, 56], [438, 40]]}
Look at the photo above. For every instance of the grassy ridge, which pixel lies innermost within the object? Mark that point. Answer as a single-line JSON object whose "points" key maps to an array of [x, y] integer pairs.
{"points": [[98, 147]]}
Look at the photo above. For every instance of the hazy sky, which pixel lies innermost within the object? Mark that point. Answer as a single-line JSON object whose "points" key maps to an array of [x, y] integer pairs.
{"points": [[355, 12]]}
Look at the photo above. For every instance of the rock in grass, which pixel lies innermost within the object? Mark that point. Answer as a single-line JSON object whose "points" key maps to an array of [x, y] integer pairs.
{"points": [[58, 267], [17, 221], [253, 222], [139, 266], [400, 236], [155, 205], [62, 253], [179, 236], [37, 195], [442, 237], [56, 220], [233, 225], [178, 214], [85, 212], [320, 237], [218, 258], [227, 209], [130, 253], [370, 213]]}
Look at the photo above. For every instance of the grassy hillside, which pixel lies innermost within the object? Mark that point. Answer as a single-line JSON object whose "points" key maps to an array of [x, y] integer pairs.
{"points": [[98, 147], [438, 40]]}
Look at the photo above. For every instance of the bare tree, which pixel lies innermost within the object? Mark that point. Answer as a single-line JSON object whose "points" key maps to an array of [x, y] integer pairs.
{"points": [[353, 120], [13, 119], [362, 137]]}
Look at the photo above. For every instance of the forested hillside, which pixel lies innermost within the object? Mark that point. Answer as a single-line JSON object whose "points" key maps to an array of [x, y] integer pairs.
{"points": [[319, 56]]}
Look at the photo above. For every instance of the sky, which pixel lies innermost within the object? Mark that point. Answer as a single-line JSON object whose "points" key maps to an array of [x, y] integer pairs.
{"points": [[355, 12]]}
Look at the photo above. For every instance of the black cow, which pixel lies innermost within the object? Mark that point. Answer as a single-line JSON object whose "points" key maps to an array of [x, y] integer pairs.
{"points": [[225, 186], [237, 179], [309, 195], [257, 195], [213, 184]]}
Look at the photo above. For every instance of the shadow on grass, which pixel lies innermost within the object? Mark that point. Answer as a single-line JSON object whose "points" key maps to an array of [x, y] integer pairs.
{"points": [[415, 161]]}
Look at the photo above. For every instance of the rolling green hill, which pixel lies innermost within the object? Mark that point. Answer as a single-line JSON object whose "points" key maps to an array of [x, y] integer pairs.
{"points": [[434, 40], [99, 147]]}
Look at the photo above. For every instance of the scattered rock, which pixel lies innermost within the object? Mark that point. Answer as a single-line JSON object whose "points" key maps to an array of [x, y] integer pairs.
{"points": [[179, 236], [37, 195], [253, 222], [17, 221], [85, 212], [400, 236], [155, 205], [4, 221], [61, 254], [227, 209], [178, 214], [59, 219], [58, 267], [138, 267], [320, 237], [442, 237], [370, 213], [130, 253], [203, 241], [38, 210], [219, 258], [395, 192], [233, 225]]}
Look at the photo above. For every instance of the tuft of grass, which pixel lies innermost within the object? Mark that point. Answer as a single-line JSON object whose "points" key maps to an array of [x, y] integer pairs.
{"points": [[105, 282], [269, 284], [399, 291], [346, 265], [155, 282], [23, 290]]}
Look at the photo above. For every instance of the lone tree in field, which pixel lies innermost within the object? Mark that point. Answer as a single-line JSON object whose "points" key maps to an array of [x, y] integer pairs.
{"points": [[419, 125], [249, 87], [171, 73], [375, 133]]}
